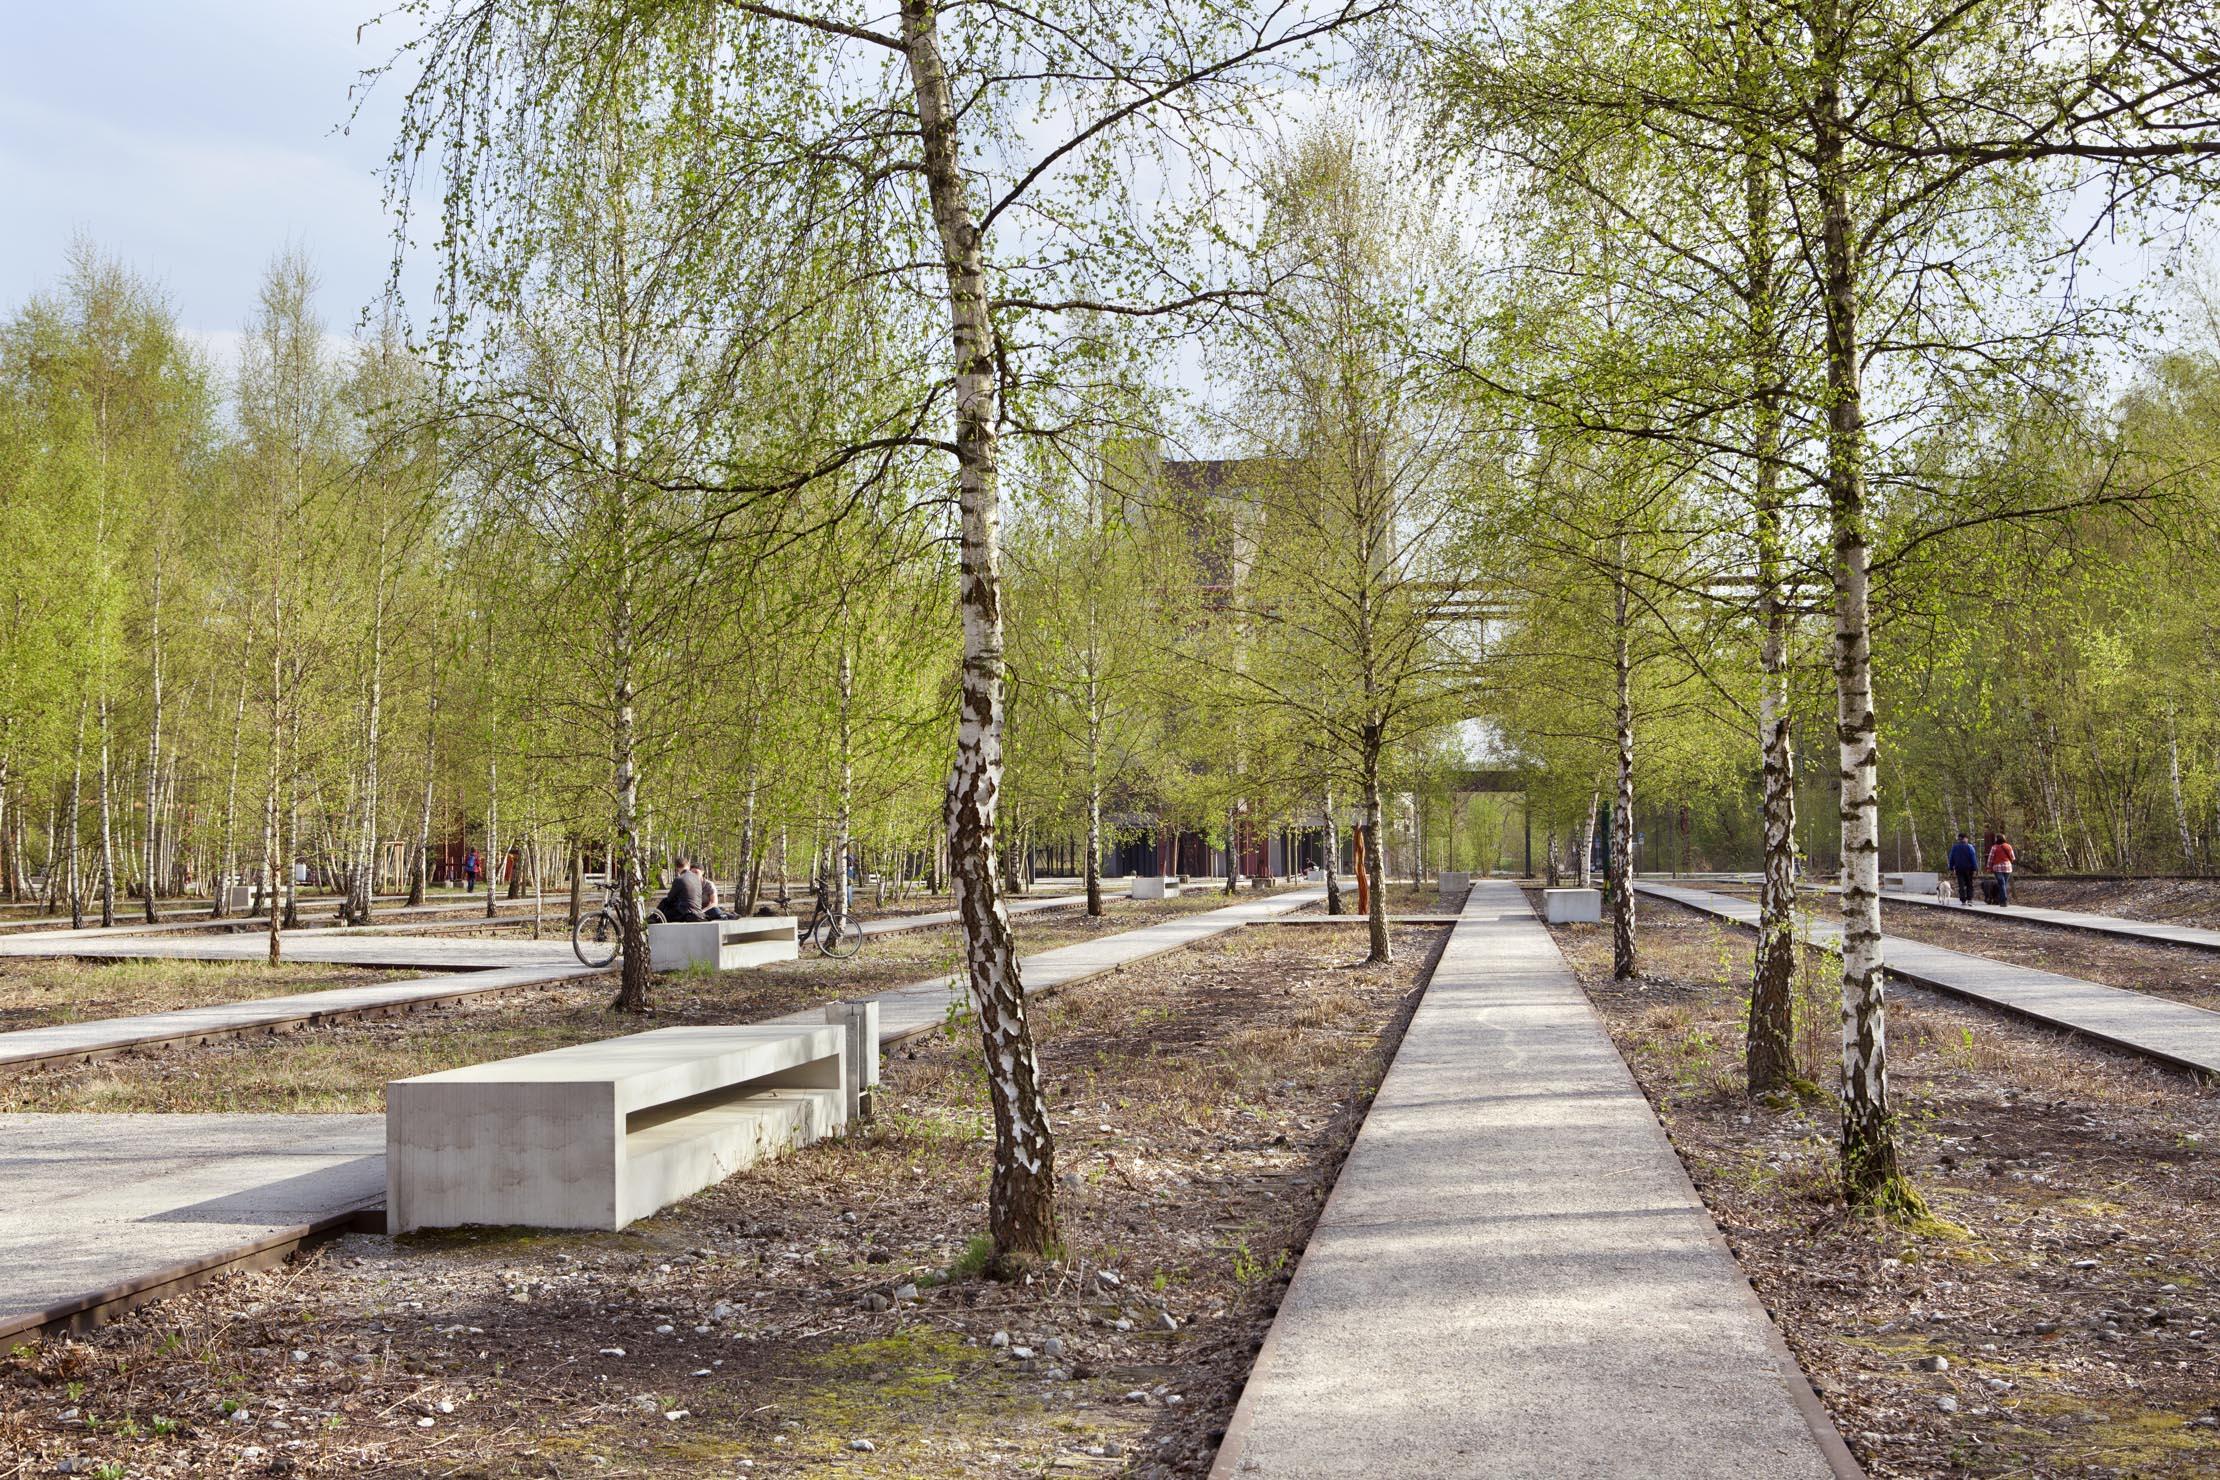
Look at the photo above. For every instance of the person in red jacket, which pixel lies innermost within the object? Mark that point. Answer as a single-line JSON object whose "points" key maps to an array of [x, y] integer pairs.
{"points": [[2000, 864]]}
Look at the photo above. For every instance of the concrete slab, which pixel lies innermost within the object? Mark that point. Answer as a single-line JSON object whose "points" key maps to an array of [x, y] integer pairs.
{"points": [[600, 1134], [1572, 906], [97, 1203], [2172, 1032], [722, 945], [1513, 1276]]}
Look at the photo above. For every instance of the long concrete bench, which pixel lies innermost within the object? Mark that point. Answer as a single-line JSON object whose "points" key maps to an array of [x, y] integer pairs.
{"points": [[1153, 886], [599, 1134], [723, 945]]}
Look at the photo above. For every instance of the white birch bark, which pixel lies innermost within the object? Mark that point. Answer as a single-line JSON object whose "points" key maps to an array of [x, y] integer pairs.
{"points": [[1625, 959], [107, 825], [1870, 1170], [154, 737], [1021, 1198]]}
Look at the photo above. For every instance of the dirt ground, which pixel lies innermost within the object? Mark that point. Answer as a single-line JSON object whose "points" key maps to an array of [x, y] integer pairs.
{"points": [[2059, 1319], [2183, 973], [816, 1315], [36, 993], [2174, 901], [343, 1066]]}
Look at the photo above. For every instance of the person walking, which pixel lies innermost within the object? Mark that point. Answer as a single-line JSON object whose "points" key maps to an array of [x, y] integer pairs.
{"points": [[470, 871], [1964, 863], [2001, 854]]}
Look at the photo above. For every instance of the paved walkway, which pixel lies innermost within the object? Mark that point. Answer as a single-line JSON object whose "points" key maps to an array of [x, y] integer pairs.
{"points": [[2174, 1032], [492, 966], [91, 1203], [102, 1037], [95, 1203], [2151, 930], [1513, 1276]]}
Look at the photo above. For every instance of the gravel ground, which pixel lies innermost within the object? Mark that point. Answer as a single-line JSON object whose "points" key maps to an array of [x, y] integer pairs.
{"points": [[2059, 1319], [814, 1315]]}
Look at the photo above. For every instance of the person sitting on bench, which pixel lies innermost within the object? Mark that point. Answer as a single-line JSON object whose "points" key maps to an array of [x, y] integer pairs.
{"points": [[691, 897]]}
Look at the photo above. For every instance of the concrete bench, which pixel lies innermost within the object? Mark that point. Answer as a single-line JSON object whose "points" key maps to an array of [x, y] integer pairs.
{"points": [[1153, 886], [1912, 881], [1572, 906], [723, 945], [1452, 885], [599, 1134]]}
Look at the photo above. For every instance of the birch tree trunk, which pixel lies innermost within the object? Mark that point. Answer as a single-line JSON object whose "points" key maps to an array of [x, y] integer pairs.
{"points": [[750, 846], [1233, 847], [229, 872], [366, 886], [419, 876], [493, 823], [1625, 960], [1770, 1049], [1374, 861], [270, 864], [1770, 1046], [107, 825], [1021, 1205], [636, 969], [154, 736], [1871, 1175], [293, 808], [1094, 804], [2173, 780], [1334, 904], [1588, 840], [843, 842], [76, 810]]}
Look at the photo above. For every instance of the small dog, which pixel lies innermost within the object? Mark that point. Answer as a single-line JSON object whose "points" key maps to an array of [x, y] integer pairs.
{"points": [[1945, 893]]}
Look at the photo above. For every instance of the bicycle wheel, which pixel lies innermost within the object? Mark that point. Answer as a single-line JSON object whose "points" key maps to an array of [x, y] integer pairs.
{"points": [[595, 939], [839, 938]]}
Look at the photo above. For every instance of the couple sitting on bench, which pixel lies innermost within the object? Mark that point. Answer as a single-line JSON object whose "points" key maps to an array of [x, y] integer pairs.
{"points": [[692, 897]]}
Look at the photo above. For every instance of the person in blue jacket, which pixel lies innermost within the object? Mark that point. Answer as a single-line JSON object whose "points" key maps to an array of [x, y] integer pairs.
{"points": [[1964, 862]]}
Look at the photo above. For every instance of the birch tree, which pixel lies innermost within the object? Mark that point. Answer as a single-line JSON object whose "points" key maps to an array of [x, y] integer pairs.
{"points": [[950, 132]]}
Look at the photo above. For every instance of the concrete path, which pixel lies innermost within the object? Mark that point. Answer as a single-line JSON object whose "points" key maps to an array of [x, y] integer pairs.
{"points": [[493, 966], [93, 1204], [2151, 930], [2173, 1032], [78, 1042], [344, 948], [921, 1007], [97, 1203], [1514, 1276]]}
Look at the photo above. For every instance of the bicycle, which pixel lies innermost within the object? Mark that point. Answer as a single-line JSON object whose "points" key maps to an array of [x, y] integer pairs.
{"points": [[598, 939], [834, 932]]}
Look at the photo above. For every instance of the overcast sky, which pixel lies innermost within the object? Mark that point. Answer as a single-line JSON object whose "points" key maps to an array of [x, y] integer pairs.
{"points": [[193, 139]]}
